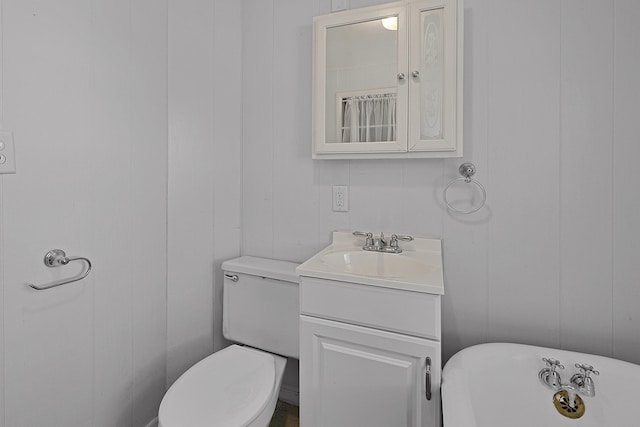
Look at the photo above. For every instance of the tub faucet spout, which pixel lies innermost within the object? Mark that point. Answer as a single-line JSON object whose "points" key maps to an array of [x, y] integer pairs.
{"points": [[549, 376], [583, 381]]}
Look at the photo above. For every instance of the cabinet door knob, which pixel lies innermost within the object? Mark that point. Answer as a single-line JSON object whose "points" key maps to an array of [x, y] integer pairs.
{"points": [[401, 76], [416, 74]]}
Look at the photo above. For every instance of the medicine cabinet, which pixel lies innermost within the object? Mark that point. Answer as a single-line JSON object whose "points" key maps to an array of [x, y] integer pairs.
{"points": [[387, 81]]}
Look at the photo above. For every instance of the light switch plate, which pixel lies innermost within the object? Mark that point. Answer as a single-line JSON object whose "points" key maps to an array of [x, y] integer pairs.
{"points": [[7, 153]]}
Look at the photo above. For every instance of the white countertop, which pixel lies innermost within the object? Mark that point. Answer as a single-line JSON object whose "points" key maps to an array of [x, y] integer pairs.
{"points": [[418, 268]]}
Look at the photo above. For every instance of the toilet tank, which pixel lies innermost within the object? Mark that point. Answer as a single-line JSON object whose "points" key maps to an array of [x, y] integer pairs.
{"points": [[261, 304]]}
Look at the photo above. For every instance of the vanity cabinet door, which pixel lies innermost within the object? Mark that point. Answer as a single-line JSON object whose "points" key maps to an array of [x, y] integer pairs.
{"points": [[435, 95], [357, 376]]}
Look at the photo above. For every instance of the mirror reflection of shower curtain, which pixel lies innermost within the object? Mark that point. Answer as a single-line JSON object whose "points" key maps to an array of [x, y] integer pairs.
{"points": [[369, 118]]}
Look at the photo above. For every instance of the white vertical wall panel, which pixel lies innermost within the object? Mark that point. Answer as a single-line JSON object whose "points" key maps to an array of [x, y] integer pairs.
{"points": [[148, 100], [205, 118], [49, 335], [626, 291], [88, 107], [586, 176], [419, 210], [2, 307], [294, 190], [227, 159], [111, 71], [523, 148], [464, 305], [258, 91], [324, 6], [191, 184], [375, 196], [2, 256]]}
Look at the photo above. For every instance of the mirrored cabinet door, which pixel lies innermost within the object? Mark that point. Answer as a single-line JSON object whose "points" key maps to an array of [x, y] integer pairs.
{"points": [[360, 81], [435, 77]]}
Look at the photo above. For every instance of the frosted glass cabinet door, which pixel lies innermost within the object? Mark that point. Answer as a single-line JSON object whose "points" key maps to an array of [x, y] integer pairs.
{"points": [[435, 96], [357, 376]]}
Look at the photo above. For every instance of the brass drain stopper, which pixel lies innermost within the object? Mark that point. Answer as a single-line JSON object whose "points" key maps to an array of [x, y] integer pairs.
{"points": [[562, 403]]}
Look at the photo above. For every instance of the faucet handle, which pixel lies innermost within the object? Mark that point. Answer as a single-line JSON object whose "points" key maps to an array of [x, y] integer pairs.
{"points": [[405, 238], [369, 237], [586, 369], [394, 241], [552, 363]]}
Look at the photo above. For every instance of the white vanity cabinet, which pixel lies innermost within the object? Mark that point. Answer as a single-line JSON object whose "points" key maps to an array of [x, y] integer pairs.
{"points": [[369, 355], [387, 81]]}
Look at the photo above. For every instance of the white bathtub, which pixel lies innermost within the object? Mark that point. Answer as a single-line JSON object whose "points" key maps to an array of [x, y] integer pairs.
{"points": [[497, 385]]}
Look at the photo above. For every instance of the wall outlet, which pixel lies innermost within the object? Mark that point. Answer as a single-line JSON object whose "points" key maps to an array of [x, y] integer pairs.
{"points": [[7, 153], [340, 198]]}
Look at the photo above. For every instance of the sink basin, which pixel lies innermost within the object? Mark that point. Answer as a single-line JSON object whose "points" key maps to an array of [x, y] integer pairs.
{"points": [[375, 264], [418, 268]]}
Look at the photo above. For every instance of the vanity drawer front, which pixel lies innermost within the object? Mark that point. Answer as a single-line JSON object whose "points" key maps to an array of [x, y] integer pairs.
{"points": [[408, 312]]}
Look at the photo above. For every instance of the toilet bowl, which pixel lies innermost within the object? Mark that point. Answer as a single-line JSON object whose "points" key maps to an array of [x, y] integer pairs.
{"points": [[239, 385]]}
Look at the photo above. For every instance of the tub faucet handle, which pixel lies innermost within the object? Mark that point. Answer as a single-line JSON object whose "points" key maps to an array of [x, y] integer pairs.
{"points": [[586, 370], [552, 363]]}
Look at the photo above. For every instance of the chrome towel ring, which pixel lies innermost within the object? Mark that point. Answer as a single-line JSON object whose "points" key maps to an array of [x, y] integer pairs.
{"points": [[57, 258], [467, 170]]}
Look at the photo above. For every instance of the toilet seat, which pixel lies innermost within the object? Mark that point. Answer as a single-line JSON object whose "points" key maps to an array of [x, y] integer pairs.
{"points": [[230, 388]]}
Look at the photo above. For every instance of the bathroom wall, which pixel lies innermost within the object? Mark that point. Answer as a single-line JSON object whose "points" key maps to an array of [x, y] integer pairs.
{"points": [[550, 102], [85, 93], [205, 136], [550, 96]]}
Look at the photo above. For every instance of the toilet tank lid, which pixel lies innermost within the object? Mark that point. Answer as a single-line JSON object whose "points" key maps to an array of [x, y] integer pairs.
{"points": [[263, 267]]}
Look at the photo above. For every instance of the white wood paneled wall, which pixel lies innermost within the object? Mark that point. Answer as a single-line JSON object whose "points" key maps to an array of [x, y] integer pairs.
{"points": [[551, 97], [205, 140], [85, 94], [2, 245], [587, 177], [626, 197], [191, 185]]}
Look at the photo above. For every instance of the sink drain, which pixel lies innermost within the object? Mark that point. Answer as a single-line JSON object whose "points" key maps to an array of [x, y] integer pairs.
{"points": [[562, 403]]}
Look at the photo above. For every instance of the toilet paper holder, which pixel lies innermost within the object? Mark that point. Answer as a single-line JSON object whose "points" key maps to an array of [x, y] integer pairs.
{"points": [[57, 258]]}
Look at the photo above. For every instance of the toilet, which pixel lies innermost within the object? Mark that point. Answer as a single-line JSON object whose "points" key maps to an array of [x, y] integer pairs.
{"points": [[239, 385]]}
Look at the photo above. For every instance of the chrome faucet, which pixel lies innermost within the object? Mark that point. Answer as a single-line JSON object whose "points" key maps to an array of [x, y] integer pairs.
{"points": [[549, 376], [379, 244], [583, 380], [580, 383]]}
